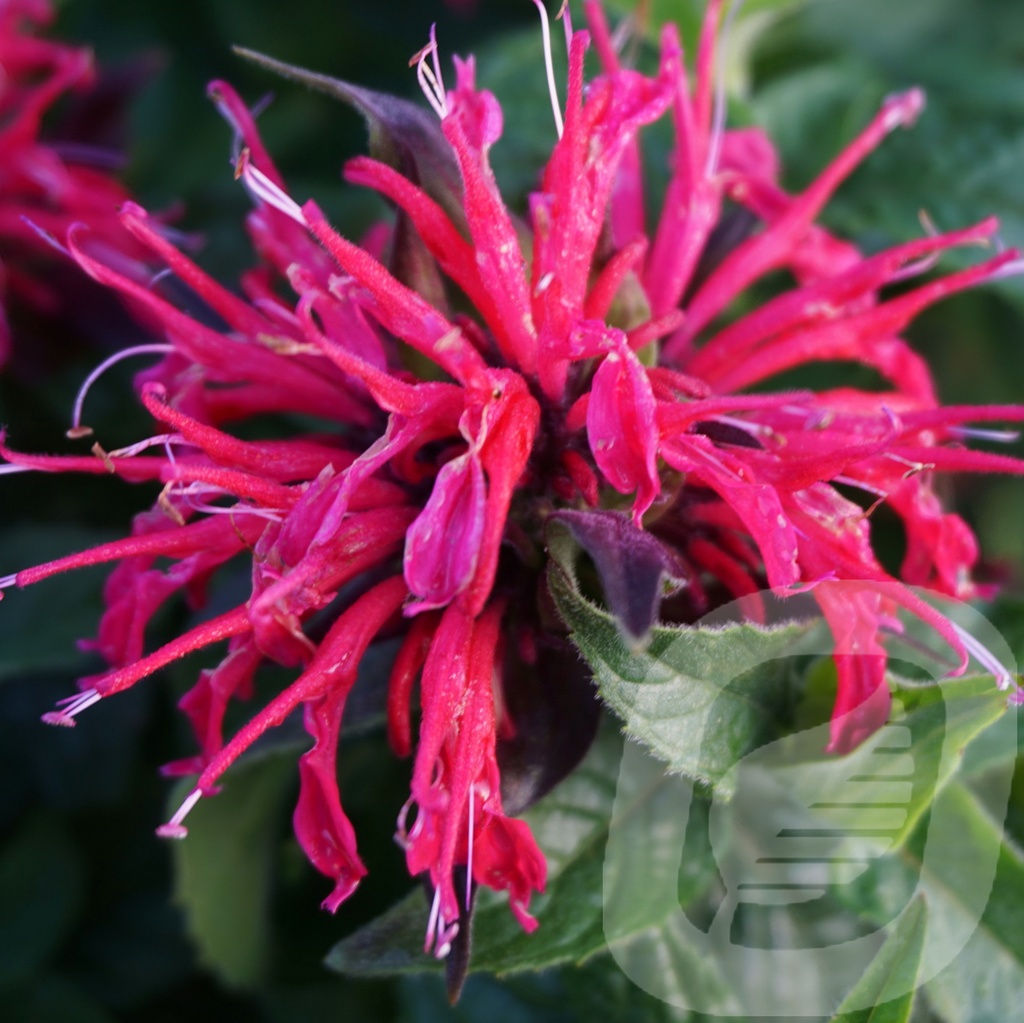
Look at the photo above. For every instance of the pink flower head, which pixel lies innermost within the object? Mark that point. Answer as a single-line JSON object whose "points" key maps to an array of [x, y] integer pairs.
{"points": [[448, 439]]}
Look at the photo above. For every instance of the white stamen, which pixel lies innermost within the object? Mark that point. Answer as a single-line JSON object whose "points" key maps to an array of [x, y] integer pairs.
{"points": [[46, 236], [8, 580], [720, 107], [270, 514], [985, 657], [236, 131], [8, 470], [194, 493], [860, 485], [158, 277], [435, 909], [754, 429], [900, 109], [916, 268], [165, 439], [435, 60], [183, 239], [174, 828], [445, 937], [976, 433], [127, 353], [264, 190], [254, 111], [549, 66], [818, 419], [808, 585], [401, 828], [912, 467], [624, 32], [565, 17], [544, 283], [892, 623], [72, 705], [429, 75], [1013, 269], [925, 220], [894, 419]]}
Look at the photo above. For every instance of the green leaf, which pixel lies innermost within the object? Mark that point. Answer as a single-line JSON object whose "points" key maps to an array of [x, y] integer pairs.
{"points": [[984, 981], [699, 698], [571, 825], [889, 983], [224, 867]]}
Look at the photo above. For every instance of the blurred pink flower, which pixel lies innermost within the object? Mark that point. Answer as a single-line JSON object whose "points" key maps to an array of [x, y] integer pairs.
{"points": [[46, 184]]}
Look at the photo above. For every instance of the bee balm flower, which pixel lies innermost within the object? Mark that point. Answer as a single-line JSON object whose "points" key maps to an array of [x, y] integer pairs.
{"points": [[452, 436]]}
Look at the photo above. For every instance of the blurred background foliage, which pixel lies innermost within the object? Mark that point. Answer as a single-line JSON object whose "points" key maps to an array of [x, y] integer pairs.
{"points": [[93, 924]]}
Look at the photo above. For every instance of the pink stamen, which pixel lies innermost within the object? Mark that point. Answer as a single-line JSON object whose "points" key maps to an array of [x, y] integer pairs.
{"points": [[127, 353], [65, 717], [174, 828]]}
